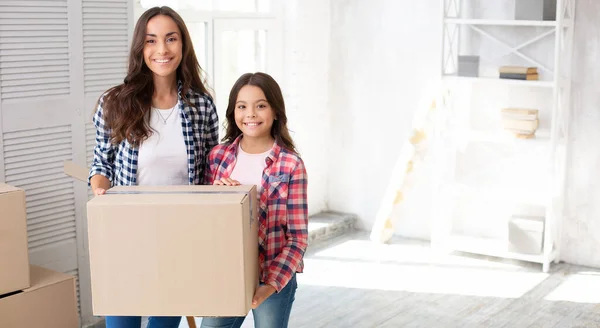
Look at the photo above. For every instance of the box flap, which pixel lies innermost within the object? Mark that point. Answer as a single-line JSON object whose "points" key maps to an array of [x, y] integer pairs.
{"points": [[183, 189], [4, 188], [173, 195], [42, 277], [76, 171]]}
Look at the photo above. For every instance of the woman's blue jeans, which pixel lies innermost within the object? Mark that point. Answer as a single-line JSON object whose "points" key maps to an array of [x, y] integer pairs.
{"points": [[136, 322]]}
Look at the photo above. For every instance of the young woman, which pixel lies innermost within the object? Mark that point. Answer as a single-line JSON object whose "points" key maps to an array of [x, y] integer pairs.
{"points": [[159, 125], [258, 150]]}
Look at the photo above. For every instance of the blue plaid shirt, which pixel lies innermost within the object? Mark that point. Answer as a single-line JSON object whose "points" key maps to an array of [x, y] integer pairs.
{"points": [[200, 127]]}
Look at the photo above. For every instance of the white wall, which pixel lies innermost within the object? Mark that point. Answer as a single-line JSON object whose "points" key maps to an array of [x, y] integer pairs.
{"points": [[581, 237], [382, 55], [306, 92], [384, 60]]}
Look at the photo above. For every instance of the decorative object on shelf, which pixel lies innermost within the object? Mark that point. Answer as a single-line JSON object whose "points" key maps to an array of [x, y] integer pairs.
{"points": [[518, 73], [468, 66], [522, 122], [526, 234], [535, 10]]}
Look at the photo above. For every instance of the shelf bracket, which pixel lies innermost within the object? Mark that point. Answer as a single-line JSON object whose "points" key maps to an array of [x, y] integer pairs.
{"points": [[525, 44], [512, 49]]}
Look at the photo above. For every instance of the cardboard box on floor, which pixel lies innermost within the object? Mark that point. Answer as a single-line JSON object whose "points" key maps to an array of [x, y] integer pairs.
{"points": [[14, 256], [50, 302], [173, 250]]}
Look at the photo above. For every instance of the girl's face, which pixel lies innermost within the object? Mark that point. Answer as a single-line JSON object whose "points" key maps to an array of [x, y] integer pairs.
{"points": [[163, 46], [253, 114]]}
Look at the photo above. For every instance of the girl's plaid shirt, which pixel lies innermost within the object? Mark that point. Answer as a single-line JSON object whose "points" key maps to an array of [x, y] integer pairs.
{"points": [[283, 213]]}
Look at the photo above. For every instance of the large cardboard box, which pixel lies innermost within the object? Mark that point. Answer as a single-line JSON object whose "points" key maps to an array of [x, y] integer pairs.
{"points": [[14, 257], [173, 250], [50, 302]]}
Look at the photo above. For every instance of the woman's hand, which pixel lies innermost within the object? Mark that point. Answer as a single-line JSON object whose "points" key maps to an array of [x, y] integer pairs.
{"points": [[99, 184], [261, 294], [226, 182], [99, 191]]}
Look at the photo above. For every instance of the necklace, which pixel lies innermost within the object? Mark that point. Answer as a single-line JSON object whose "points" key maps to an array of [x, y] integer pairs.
{"points": [[163, 119]]}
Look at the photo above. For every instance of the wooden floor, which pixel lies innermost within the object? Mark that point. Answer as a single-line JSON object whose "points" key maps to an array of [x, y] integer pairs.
{"points": [[351, 282]]}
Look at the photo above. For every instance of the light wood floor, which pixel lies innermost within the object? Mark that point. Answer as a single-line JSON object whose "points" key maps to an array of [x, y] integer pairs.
{"points": [[351, 282]]}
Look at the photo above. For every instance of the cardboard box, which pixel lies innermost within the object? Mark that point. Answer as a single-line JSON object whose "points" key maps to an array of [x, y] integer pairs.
{"points": [[14, 254], [50, 302], [173, 250], [526, 235]]}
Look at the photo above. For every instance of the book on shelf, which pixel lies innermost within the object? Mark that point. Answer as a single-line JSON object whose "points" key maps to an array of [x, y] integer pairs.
{"points": [[521, 122], [519, 113], [518, 76], [520, 125], [517, 70]]}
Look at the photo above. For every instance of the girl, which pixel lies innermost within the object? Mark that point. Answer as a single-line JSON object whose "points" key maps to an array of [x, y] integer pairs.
{"points": [[258, 150], [159, 125]]}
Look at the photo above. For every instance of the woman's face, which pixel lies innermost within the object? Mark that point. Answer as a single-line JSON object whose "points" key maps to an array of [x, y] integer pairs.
{"points": [[163, 46]]}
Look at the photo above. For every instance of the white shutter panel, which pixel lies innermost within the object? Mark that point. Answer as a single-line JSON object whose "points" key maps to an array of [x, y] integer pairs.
{"points": [[34, 49], [34, 64], [33, 160], [105, 44], [76, 274], [56, 58]]}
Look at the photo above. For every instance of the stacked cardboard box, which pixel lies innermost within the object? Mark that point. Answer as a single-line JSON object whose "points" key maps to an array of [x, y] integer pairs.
{"points": [[14, 258], [30, 296]]}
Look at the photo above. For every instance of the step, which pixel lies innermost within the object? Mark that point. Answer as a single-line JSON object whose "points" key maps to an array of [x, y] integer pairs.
{"points": [[324, 226]]}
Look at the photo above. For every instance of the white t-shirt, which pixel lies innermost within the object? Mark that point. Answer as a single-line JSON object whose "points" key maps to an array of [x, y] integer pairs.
{"points": [[249, 168], [162, 158]]}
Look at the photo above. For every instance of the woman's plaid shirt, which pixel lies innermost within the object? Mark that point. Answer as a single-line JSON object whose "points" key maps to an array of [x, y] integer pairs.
{"points": [[200, 127], [283, 213]]}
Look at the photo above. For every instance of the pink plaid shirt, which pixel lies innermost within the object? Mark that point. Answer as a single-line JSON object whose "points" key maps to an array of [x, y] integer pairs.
{"points": [[283, 214]]}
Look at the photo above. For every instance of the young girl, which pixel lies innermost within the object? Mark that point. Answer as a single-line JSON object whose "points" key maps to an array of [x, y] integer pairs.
{"points": [[159, 125], [258, 150]]}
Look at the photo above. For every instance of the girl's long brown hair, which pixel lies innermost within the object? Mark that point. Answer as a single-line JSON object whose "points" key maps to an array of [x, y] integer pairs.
{"points": [[127, 106], [279, 130]]}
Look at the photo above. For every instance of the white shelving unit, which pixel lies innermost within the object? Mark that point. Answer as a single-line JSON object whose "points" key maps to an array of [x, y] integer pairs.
{"points": [[551, 136]]}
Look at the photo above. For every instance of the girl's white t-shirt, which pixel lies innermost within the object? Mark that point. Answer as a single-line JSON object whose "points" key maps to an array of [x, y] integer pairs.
{"points": [[249, 168], [162, 158]]}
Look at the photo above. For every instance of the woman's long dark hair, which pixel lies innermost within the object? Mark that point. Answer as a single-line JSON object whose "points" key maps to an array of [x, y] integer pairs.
{"points": [[279, 130], [127, 106]]}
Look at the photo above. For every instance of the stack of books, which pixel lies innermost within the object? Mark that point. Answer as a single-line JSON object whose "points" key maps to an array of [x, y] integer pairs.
{"points": [[521, 122], [518, 73]]}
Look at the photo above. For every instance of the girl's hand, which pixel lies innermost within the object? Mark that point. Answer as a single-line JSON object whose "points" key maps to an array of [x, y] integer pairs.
{"points": [[226, 182], [261, 294]]}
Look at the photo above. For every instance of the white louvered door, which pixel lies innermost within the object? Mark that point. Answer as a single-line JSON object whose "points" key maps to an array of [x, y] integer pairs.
{"points": [[56, 58]]}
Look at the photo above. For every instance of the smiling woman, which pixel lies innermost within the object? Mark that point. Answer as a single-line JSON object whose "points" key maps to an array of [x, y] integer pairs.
{"points": [[157, 127]]}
